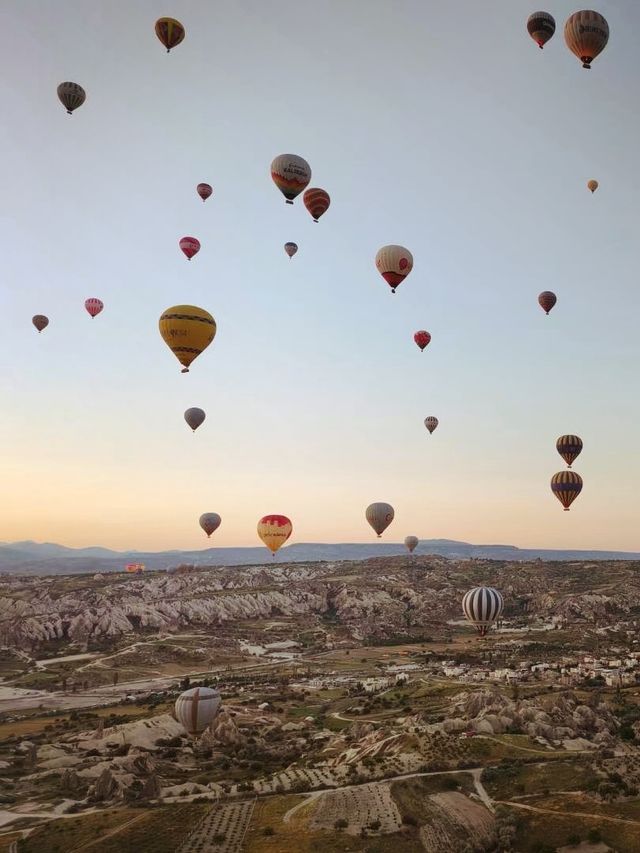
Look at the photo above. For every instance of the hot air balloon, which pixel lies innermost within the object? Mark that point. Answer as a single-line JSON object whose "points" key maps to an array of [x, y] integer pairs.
{"points": [[40, 322], [482, 606], [411, 542], [547, 300], [204, 191], [197, 708], [274, 530], [394, 264], [593, 185], [291, 174], [94, 306], [379, 516], [566, 486], [431, 423], [71, 96], [316, 201], [210, 522], [291, 249], [586, 34], [170, 32], [569, 447], [541, 26], [187, 331], [190, 246], [194, 417], [422, 339]]}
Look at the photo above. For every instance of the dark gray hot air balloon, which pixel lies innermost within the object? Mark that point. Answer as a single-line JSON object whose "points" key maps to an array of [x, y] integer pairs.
{"points": [[482, 605], [210, 522], [71, 96], [194, 417], [40, 322]]}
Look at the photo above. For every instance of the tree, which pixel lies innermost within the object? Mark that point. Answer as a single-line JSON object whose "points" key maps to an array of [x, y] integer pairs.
{"points": [[594, 836], [341, 823]]}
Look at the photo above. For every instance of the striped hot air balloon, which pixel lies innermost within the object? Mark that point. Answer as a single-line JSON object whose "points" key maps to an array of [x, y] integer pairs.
{"points": [[541, 26], [210, 522], [71, 96], [190, 246], [291, 174], [94, 306], [394, 264], [422, 339], [482, 606], [569, 447], [274, 530], [170, 32], [431, 423], [586, 34], [204, 191], [379, 515], [411, 543], [566, 486], [197, 708], [187, 330], [546, 300], [40, 322], [316, 201]]}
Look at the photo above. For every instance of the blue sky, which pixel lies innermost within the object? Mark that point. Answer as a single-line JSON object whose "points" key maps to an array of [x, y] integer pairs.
{"points": [[431, 126]]}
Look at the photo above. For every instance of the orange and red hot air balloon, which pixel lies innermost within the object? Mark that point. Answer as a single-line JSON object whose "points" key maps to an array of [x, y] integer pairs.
{"points": [[274, 530], [190, 246], [422, 339], [94, 306], [316, 201], [547, 300], [204, 191]]}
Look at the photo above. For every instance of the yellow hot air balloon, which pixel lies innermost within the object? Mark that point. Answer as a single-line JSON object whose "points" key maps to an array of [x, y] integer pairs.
{"points": [[187, 331], [274, 530], [593, 186]]}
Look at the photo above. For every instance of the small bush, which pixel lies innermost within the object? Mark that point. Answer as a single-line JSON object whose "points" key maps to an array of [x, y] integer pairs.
{"points": [[268, 830], [409, 820], [341, 823]]}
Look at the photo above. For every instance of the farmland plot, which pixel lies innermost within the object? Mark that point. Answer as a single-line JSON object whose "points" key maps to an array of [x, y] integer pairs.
{"points": [[222, 829], [360, 806], [452, 818]]}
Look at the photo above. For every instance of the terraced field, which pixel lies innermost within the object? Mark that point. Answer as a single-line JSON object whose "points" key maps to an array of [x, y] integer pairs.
{"points": [[361, 807], [222, 829]]}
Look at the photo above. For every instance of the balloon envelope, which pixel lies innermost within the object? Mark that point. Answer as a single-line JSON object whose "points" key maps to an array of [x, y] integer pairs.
{"points": [[274, 530], [411, 542], [431, 423], [546, 300], [194, 417], [94, 306], [394, 264], [586, 34], [40, 322], [379, 515], [541, 26], [187, 330], [593, 186], [190, 246], [291, 174], [569, 447], [210, 522], [482, 606], [204, 191], [197, 708], [566, 486], [71, 96], [422, 339], [170, 32], [291, 249], [316, 201]]}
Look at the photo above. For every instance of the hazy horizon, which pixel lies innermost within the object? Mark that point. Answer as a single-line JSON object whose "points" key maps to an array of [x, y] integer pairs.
{"points": [[439, 128]]}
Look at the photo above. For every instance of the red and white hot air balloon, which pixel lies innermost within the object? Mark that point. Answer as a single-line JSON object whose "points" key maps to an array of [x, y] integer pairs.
{"points": [[394, 264], [190, 246], [94, 306], [316, 201], [204, 191], [422, 339]]}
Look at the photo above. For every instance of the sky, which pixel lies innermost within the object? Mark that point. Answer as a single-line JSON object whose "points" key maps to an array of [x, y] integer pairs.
{"points": [[430, 125]]}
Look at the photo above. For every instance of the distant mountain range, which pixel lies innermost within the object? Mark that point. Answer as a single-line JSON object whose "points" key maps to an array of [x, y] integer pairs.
{"points": [[48, 558]]}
